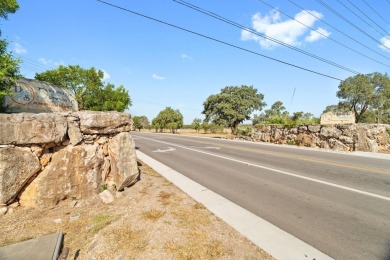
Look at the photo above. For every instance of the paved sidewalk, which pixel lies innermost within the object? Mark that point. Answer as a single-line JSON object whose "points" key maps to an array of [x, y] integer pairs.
{"points": [[41, 248]]}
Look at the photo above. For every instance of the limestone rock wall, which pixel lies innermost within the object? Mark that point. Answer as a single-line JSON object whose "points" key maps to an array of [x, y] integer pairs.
{"points": [[351, 137], [48, 157]]}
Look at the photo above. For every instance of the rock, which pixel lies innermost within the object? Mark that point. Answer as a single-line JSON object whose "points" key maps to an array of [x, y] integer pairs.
{"points": [[3, 210], [57, 221], [74, 216], [106, 169], [124, 168], [10, 210], [74, 132], [330, 132], [314, 128], [45, 159], [346, 139], [92, 122], [302, 129], [37, 150], [25, 128], [336, 145], [17, 166], [106, 197], [105, 150], [73, 172], [102, 140]]}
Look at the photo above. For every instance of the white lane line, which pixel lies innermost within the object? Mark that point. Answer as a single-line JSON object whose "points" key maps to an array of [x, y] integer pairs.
{"points": [[278, 171], [265, 235]]}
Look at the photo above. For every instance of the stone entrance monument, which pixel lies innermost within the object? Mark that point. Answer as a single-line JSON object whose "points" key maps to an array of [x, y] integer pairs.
{"points": [[37, 97], [332, 118]]}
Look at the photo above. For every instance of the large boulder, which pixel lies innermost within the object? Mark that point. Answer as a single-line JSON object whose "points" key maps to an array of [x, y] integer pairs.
{"points": [[124, 168], [74, 171], [92, 122], [25, 128], [330, 132], [17, 166]]}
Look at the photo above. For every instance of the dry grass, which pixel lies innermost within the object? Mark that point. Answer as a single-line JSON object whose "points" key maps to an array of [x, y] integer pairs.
{"points": [[153, 214], [151, 220]]}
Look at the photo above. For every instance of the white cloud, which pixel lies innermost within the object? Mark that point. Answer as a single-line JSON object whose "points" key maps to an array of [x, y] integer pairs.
{"points": [[45, 62], [186, 57], [19, 49], [319, 34], [288, 31], [50, 63], [157, 77], [385, 44], [106, 75]]}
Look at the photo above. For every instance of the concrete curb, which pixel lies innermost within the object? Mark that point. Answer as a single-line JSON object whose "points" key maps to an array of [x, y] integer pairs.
{"points": [[270, 238]]}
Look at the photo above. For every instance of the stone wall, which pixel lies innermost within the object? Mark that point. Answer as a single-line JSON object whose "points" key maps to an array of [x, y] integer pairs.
{"points": [[351, 137], [48, 157]]}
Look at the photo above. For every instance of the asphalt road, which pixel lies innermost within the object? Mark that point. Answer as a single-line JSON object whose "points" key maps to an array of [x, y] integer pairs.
{"points": [[337, 203]]}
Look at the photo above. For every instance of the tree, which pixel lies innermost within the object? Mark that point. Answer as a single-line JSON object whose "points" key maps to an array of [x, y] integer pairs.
{"points": [[232, 106], [196, 124], [9, 66], [168, 119], [88, 88], [140, 122], [8, 7], [363, 92]]}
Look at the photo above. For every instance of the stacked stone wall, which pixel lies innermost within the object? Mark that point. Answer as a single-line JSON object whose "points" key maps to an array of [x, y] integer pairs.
{"points": [[349, 137], [48, 157]]}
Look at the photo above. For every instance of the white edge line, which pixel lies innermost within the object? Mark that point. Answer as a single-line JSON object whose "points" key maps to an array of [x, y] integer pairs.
{"points": [[263, 234], [278, 171]]}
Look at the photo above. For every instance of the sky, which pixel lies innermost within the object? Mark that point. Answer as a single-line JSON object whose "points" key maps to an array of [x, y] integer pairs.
{"points": [[162, 66]]}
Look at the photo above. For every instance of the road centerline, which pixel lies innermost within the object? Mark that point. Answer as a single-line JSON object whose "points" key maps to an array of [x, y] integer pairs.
{"points": [[275, 170]]}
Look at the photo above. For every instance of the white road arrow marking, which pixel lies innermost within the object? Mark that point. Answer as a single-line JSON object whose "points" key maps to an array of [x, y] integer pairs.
{"points": [[170, 149]]}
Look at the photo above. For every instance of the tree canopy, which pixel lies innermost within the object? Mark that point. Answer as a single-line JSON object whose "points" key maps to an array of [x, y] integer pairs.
{"points": [[168, 119], [88, 87], [361, 93], [232, 106], [9, 66], [8, 7], [140, 122]]}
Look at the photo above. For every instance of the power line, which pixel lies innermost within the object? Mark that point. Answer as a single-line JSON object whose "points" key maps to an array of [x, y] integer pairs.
{"points": [[384, 35], [350, 23], [333, 27], [218, 17], [376, 12], [219, 41], [326, 36]]}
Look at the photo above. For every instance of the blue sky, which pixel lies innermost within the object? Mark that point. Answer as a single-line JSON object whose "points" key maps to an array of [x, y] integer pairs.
{"points": [[162, 66]]}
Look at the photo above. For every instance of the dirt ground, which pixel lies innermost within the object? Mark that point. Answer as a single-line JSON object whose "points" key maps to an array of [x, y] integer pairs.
{"points": [[151, 220]]}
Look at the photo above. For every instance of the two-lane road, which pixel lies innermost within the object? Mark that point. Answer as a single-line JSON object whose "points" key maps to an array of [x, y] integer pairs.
{"points": [[337, 203]]}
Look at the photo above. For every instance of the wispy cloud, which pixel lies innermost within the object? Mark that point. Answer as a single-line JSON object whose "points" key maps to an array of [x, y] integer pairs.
{"points": [[45, 61], [385, 44], [19, 49], [288, 31], [186, 57], [48, 62], [157, 77]]}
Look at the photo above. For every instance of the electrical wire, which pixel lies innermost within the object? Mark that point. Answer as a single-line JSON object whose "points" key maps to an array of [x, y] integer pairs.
{"points": [[351, 23], [346, 35], [216, 40], [218, 17], [384, 35], [369, 6]]}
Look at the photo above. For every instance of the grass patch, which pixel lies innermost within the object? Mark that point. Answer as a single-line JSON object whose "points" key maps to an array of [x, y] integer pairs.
{"points": [[127, 239], [190, 218], [99, 222], [197, 246], [153, 214], [198, 205]]}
